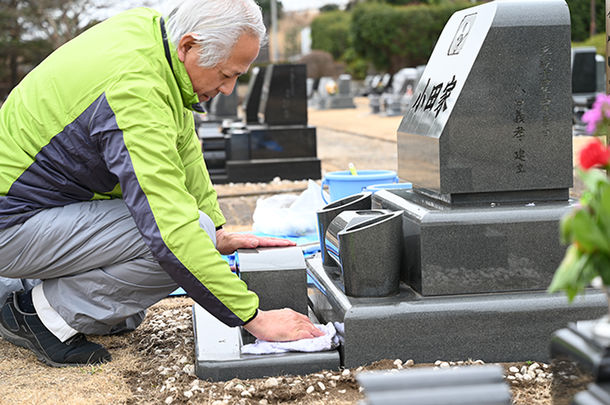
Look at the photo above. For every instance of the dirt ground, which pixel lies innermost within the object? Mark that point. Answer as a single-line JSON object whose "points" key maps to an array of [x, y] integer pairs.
{"points": [[155, 364]]}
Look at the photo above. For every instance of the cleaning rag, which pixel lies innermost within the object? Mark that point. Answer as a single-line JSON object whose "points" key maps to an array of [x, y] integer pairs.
{"points": [[328, 341]]}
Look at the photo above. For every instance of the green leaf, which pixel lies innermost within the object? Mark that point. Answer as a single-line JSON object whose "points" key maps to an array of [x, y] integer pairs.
{"points": [[592, 178], [565, 228], [573, 274], [587, 233]]}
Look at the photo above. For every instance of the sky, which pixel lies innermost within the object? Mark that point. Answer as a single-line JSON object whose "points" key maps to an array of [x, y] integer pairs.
{"points": [[114, 6], [291, 5]]}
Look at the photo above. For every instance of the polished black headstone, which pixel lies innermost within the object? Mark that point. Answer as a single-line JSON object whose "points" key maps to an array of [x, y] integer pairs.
{"points": [[284, 95]]}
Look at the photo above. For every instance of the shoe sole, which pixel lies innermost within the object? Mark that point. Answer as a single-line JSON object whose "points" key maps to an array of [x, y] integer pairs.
{"points": [[26, 344]]}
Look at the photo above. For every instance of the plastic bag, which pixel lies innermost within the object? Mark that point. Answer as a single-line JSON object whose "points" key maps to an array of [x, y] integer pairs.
{"points": [[287, 214]]}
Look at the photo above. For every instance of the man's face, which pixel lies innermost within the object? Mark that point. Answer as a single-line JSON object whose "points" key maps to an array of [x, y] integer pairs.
{"points": [[208, 82]]}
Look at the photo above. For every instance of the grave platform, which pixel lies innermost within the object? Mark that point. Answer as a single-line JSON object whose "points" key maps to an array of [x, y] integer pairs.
{"points": [[493, 327], [477, 247], [218, 354]]}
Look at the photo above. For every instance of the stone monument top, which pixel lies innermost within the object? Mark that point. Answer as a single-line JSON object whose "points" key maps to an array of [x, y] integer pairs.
{"points": [[492, 110]]}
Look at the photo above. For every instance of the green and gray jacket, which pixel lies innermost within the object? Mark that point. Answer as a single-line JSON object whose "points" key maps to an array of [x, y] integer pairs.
{"points": [[105, 116]]}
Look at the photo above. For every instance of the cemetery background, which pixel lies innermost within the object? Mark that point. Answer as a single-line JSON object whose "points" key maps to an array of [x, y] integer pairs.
{"points": [[155, 362]]}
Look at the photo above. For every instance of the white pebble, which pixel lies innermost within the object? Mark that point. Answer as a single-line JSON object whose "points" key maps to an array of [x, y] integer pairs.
{"points": [[183, 360], [519, 376], [321, 386], [342, 391], [437, 363], [263, 401], [527, 377], [513, 369], [540, 380], [510, 377], [188, 394], [479, 362], [345, 372], [169, 400], [398, 363], [533, 366], [239, 387], [409, 363], [523, 370], [229, 385], [444, 364], [271, 382], [310, 389], [359, 369], [189, 369], [246, 394]]}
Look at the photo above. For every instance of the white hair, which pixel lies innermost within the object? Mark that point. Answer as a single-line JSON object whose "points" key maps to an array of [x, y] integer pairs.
{"points": [[216, 25]]}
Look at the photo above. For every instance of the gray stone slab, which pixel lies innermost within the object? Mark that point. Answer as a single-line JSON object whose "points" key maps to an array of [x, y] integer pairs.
{"points": [[469, 385], [218, 354], [492, 111], [495, 327], [473, 249], [277, 275]]}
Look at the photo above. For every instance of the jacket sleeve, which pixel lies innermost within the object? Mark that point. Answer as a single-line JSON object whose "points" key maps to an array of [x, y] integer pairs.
{"points": [[198, 181], [159, 190]]}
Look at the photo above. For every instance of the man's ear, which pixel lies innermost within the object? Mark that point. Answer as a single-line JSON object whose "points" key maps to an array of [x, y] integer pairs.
{"points": [[185, 44]]}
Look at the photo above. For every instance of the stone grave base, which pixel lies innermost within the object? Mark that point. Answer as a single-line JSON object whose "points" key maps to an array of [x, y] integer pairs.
{"points": [[218, 354], [336, 101], [493, 327], [476, 248]]}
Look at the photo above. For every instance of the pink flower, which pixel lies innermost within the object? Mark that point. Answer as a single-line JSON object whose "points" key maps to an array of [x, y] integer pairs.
{"points": [[600, 110], [594, 154]]}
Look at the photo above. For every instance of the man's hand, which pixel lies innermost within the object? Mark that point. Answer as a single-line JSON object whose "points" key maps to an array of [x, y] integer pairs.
{"points": [[227, 243], [281, 325]]}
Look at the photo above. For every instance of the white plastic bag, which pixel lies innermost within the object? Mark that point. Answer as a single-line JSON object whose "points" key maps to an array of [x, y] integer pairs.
{"points": [[289, 215]]}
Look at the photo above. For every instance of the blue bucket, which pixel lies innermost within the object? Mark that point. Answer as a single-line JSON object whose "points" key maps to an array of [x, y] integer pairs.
{"points": [[389, 186], [342, 184]]}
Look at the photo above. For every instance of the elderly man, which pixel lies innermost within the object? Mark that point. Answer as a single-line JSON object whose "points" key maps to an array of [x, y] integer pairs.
{"points": [[104, 194]]}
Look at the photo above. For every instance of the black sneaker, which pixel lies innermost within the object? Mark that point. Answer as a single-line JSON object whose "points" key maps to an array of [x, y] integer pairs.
{"points": [[25, 329]]}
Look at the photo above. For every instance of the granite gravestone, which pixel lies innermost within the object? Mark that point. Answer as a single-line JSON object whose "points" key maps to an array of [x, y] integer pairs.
{"points": [[588, 79], [335, 93], [281, 143], [223, 107], [284, 96], [481, 232], [403, 83]]}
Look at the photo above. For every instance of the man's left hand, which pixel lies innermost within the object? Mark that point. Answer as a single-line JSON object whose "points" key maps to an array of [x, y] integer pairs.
{"points": [[227, 242]]}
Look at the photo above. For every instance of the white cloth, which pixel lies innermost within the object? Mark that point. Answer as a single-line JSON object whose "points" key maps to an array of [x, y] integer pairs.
{"points": [[328, 341]]}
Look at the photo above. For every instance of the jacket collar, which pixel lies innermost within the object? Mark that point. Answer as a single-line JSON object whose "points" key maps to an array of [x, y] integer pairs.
{"points": [[189, 98]]}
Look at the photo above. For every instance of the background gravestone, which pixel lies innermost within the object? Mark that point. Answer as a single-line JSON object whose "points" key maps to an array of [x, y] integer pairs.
{"points": [[284, 96], [223, 107], [490, 124]]}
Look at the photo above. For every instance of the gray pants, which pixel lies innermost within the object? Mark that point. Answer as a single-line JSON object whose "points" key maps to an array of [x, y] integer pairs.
{"points": [[98, 274]]}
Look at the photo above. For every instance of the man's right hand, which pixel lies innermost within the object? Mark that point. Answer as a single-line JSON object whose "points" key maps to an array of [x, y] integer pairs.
{"points": [[281, 325]]}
